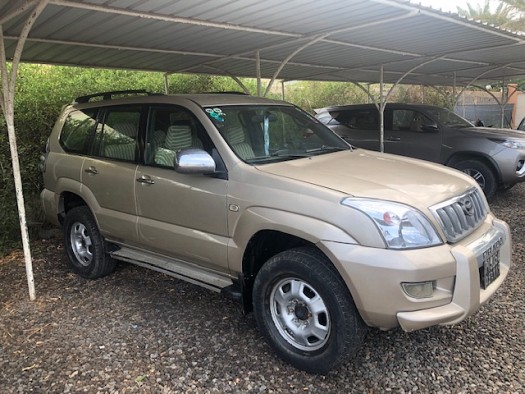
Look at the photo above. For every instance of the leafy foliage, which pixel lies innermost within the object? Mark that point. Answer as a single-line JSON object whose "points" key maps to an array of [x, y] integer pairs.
{"points": [[508, 14]]}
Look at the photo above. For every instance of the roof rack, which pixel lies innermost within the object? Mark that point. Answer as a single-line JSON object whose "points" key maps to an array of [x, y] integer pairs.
{"points": [[229, 92], [109, 95]]}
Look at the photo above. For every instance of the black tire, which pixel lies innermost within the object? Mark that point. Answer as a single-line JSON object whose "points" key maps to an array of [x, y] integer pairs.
{"points": [[482, 173], [85, 246], [301, 276], [506, 188]]}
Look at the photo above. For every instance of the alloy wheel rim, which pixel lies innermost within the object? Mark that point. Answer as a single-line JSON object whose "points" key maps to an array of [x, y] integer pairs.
{"points": [[81, 244], [478, 176]]}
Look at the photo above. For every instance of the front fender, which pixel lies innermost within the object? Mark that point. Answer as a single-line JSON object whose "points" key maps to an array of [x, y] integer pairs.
{"points": [[256, 219]]}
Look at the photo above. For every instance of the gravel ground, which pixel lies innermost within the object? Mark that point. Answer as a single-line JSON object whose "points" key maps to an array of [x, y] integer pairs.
{"points": [[137, 331]]}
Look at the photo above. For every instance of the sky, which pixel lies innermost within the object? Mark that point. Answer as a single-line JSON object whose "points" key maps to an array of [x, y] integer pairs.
{"points": [[451, 5]]}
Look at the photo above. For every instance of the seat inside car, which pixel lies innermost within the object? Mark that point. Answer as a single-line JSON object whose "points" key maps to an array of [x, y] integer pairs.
{"points": [[237, 140], [178, 137]]}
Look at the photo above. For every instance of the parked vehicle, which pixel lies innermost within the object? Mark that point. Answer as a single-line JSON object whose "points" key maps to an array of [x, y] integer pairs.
{"points": [[494, 157], [256, 199]]}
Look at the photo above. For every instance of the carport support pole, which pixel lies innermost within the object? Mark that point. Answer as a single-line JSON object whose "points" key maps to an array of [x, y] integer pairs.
{"points": [[8, 107], [7, 102], [504, 100], [166, 84], [382, 102], [258, 72]]}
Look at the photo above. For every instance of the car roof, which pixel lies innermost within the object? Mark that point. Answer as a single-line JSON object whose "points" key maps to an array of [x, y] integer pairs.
{"points": [[201, 99], [347, 107]]}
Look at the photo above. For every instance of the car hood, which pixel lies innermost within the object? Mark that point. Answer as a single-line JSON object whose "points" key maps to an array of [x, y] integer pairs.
{"points": [[363, 173], [490, 132]]}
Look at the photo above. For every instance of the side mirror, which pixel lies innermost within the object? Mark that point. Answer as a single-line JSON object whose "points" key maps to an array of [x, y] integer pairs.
{"points": [[194, 161], [432, 128]]}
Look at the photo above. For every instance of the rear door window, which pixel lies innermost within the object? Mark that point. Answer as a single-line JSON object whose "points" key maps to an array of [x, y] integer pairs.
{"points": [[117, 134], [78, 131]]}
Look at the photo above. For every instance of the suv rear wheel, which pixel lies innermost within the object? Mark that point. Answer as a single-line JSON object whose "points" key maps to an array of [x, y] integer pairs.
{"points": [[482, 173], [304, 310], [85, 246]]}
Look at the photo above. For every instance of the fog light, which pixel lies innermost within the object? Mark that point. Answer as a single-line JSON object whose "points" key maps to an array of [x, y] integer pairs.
{"points": [[418, 289], [520, 168]]}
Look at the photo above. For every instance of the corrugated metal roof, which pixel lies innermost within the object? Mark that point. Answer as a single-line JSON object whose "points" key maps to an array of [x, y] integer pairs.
{"points": [[329, 39]]}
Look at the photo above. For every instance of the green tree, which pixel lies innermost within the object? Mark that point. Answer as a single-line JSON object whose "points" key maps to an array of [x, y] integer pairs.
{"points": [[499, 17], [509, 14], [517, 21]]}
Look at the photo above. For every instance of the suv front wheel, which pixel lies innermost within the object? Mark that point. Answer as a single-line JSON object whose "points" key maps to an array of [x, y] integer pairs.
{"points": [[85, 246], [305, 311], [482, 173]]}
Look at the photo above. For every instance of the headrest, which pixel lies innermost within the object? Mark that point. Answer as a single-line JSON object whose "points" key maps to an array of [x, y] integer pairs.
{"points": [[178, 137], [236, 135]]}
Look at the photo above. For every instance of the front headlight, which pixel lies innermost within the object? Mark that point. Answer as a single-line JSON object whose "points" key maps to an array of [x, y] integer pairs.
{"points": [[514, 144], [401, 226]]}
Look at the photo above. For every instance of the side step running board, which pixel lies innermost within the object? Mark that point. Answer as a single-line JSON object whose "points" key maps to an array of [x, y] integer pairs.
{"points": [[176, 268]]}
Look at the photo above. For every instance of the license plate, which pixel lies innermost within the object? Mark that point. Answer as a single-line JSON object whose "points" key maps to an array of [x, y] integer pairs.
{"points": [[489, 270]]}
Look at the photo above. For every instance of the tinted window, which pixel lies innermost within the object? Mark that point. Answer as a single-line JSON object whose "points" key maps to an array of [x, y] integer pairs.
{"points": [[409, 120], [117, 134], [78, 131], [448, 118], [169, 130]]}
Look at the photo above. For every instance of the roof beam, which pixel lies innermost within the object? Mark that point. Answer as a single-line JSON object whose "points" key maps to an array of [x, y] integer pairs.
{"points": [[29, 5], [449, 18], [167, 18]]}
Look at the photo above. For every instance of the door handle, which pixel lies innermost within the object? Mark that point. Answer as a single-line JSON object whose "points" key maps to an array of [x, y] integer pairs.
{"points": [[146, 179], [393, 139], [91, 170]]}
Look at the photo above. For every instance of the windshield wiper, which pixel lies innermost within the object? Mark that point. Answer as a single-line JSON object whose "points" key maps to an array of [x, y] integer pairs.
{"points": [[287, 153], [326, 149]]}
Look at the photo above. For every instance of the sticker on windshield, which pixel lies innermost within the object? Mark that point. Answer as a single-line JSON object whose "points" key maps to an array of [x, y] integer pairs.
{"points": [[216, 113]]}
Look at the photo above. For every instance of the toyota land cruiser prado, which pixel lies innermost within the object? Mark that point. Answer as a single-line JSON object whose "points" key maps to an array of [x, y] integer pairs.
{"points": [[258, 200]]}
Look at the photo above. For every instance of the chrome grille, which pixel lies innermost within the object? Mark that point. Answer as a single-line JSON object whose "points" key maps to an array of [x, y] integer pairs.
{"points": [[461, 215]]}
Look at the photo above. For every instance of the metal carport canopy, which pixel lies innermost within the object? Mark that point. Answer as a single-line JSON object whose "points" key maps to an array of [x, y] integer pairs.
{"points": [[334, 40]]}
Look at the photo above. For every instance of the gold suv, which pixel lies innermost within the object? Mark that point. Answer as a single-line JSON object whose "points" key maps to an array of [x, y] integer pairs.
{"points": [[258, 200]]}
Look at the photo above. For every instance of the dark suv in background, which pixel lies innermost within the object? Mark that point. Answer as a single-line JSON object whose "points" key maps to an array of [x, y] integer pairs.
{"points": [[494, 157]]}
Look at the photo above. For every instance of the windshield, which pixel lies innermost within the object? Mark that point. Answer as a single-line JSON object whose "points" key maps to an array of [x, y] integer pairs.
{"points": [[449, 118], [268, 133]]}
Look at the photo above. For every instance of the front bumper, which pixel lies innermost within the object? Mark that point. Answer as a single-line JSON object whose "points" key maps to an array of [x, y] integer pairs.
{"points": [[511, 164], [374, 277]]}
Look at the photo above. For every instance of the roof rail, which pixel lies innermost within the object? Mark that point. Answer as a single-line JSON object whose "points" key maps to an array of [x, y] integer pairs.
{"points": [[229, 92], [109, 95]]}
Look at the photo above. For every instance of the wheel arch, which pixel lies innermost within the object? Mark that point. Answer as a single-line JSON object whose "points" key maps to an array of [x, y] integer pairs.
{"points": [[260, 248], [273, 232], [485, 159], [67, 201]]}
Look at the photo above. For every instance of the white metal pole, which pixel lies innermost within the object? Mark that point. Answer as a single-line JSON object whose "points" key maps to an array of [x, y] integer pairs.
{"points": [[258, 72], [382, 103], [7, 98], [166, 84]]}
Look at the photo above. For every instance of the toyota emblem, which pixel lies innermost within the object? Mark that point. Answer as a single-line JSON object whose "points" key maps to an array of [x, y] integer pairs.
{"points": [[467, 206]]}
